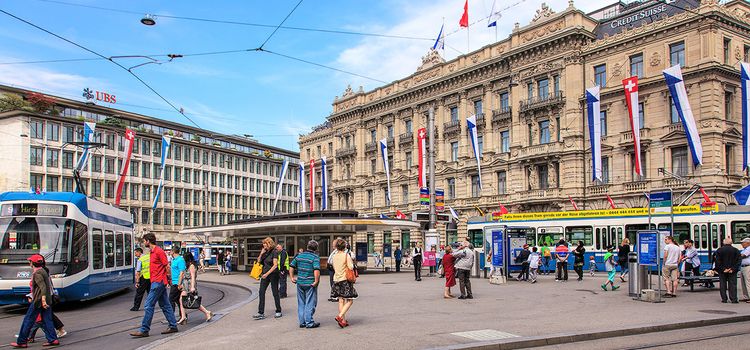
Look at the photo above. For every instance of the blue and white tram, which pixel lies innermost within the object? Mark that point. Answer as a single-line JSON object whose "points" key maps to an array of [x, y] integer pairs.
{"points": [[605, 227], [88, 245]]}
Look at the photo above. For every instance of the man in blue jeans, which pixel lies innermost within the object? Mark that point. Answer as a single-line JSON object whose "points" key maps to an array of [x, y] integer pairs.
{"points": [[160, 277], [307, 266]]}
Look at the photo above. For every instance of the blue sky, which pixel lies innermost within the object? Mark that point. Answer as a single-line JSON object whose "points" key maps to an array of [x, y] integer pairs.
{"points": [[271, 97]]}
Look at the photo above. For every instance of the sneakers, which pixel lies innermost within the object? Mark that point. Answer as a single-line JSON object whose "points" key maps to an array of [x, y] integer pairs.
{"points": [[314, 325], [62, 333], [604, 286], [277, 315], [259, 316], [614, 288]]}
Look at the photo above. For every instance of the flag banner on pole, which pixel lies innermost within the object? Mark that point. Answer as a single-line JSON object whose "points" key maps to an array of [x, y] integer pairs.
{"points": [[631, 98], [400, 215], [706, 198], [383, 216], [742, 195], [464, 22], [88, 135], [673, 77], [611, 202], [440, 41], [472, 123], [494, 17], [312, 184], [129, 139], [166, 141], [745, 84], [453, 213], [284, 167], [575, 207], [323, 184], [384, 154], [503, 210], [301, 201], [595, 132], [422, 153]]}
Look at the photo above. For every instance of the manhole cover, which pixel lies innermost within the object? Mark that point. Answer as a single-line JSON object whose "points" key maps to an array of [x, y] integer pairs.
{"points": [[485, 334], [717, 312], [388, 283]]}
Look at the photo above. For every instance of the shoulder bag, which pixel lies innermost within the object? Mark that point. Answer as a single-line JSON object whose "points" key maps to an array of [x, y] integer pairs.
{"points": [[351, 274], [191, 301], [256, 271]]}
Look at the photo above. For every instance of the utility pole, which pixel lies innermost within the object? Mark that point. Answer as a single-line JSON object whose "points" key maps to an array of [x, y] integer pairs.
{"points": [[431, 165]]}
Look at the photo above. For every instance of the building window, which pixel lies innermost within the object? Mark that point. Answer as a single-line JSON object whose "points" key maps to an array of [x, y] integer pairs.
{"points": [[502, 180], [109, 165], [36, 156], [505, 141], [747, 53], [727, 50], [728, 100], [530, 90], [605, 170], [53, 157], [557, 130], [454, 151], [603, 122], [389, 130], [544, 135], [478, 107], [542, 87], [475, 185], [407, 126], [728, 159], [674, 116], [600, 75], [556, 83], [504, 101], [407, 157], [146, 193], [677, 54], [36, 181], [454, 113], [531, 134], [146, 147], [373, 166], [373, 136], [480, 145], [96, 164], [543, 171], [68, 134], [680, 161], [53, 132], [96, 188], [451, 187], [53, 183], [641, 115], [404, 194], [67, 184], [637, 177], [636, 65], [370, 199], [36, 129]]}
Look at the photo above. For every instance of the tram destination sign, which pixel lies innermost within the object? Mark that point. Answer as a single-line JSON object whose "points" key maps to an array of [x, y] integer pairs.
{"points": [[33, 209], [660, 202]]}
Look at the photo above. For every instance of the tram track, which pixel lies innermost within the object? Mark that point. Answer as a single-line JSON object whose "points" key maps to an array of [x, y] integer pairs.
{"points": [[684, 341]]}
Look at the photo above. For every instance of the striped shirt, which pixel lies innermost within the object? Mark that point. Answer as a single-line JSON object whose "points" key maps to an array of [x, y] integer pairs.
{"points": [[305, 265]]}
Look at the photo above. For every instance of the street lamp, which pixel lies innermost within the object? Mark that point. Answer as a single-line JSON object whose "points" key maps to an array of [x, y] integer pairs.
{"points": [[148, 20]]}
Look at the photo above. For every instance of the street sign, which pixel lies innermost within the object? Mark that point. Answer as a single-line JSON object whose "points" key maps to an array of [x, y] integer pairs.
{"points": [[439, 199], [648, 247], [424, 196], [660, 202]]}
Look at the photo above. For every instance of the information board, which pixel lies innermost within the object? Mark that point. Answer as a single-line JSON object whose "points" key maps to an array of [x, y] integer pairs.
{"points": [[660, 202], [361, 251], [497, 248], [429, 259], [387, 250], [424, 196], [648, 247], [439, 199]]}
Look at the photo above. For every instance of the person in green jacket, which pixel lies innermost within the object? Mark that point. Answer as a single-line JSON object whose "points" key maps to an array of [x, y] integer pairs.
{"points": [[609, 265]]}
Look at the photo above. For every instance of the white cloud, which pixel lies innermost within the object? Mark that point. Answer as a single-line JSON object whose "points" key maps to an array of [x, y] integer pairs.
{"points": [[34, 77]]}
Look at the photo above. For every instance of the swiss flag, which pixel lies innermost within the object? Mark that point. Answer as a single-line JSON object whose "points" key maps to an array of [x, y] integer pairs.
{"points": [[611, 202], [503, 209], [464, 22], [400, 215]]}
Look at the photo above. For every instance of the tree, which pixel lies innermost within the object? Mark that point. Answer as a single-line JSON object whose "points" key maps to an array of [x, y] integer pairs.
{"points": [[13, 102]]}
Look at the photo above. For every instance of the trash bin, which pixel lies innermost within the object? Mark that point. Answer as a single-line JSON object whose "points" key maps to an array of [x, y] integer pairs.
{"points": [[476, 268], [643, 277], [633, 289]]}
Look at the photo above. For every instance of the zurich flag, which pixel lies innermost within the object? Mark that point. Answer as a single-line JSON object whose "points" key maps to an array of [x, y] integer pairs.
{"points": [[745, 82], [743, 195], [673, 77], [595, 130]]}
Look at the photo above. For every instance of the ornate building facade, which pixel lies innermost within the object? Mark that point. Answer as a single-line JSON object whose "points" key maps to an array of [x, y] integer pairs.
{"points": [[527, 92]]}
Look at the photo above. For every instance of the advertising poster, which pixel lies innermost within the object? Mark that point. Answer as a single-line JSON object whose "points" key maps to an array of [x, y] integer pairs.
{"points": [[429, 258], [497, 248]]}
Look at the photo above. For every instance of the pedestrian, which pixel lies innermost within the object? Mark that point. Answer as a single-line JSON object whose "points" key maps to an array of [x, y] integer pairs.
{"points": [[579, 254], [190, 284], [220, 260], [416, 258], [745, 269], [523, 258], [306, 265], [449, 271], [534, 260], [40, 300], [592, 266], [398, 255], [202, 258], [329, 267], [207, 263], [283, 269], [561, 258], [178, 275], [378, 259], [691, 259], [669, 269], [342, 288], [269, 258], [59, 326], [228, 262], [728, 258], [464, 262], [546, 257], [610, 266], [160, 279], [622, 258], [142, 277]]}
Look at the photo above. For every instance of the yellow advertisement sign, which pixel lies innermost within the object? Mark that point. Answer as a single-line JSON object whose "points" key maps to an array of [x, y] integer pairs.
{"points": [[580, 214]]}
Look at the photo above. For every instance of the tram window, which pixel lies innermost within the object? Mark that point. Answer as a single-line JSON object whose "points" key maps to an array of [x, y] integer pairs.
{"points": [[109, 249], [704, 236], [740, 230], [631, 231], [128, 249], [98, 245], [580, 233], [476, 238], [722, 233], [714, 236], [681, 231], [119, 249], [696, 237], [79, 249], [612, 236], [620, 237], [324, 245], [549, 238], [598, 238]]}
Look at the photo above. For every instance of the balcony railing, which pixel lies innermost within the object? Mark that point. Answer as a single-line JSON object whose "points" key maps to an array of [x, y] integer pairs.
{"points": [[406, 139], [675, 127], [347, 151], [600, 189], [550, 99], [501, 116], [480, 120], [540, 150], [674, 183], [628, 135], [371, 147], [452, 128], [636, 186]]}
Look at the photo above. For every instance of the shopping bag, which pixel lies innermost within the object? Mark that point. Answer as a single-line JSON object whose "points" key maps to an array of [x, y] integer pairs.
{"points": [[256, 271]]}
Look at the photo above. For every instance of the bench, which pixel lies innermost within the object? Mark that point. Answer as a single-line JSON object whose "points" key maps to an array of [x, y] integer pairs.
{"points": [[691, 280]]}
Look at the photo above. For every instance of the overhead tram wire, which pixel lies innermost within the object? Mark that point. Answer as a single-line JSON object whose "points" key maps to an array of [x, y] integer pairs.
{"points": [[280, 24], [321, 65]]}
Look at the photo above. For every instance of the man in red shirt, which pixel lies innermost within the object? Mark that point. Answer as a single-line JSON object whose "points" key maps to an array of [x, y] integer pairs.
{"points": [[160, 280]]}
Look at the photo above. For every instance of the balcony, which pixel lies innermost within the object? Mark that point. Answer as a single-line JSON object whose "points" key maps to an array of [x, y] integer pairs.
{"points": [[532, 195], [599, 189], [406, 139], [627, 137], [550, 100], [674, 183], [480, 120], [540, 150], [346, 152], [452, 128], [501, 116], [675, 127], [636, 186], [371, 147]]}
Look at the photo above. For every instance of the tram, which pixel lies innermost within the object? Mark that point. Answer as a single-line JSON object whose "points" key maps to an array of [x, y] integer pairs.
{"points": [[599, 229], [88, 245]]}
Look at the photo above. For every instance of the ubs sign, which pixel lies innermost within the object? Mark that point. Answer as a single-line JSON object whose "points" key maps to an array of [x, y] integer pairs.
{"points": [[649, 12]]}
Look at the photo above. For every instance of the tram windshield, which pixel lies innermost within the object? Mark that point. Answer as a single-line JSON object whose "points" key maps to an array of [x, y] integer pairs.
{"points": [[23, 236]]}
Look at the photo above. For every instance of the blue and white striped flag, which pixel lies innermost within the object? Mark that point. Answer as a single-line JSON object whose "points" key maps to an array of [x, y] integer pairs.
{"points": [[472, 123], [323, 183], [383, 216], [88, 135], [166, 141], [440, 41], [284, 167], [384, 155], [302, 203], [595, 131], [453, 213], [745, 84], [673, 77], [494, 17], [743, 195]]}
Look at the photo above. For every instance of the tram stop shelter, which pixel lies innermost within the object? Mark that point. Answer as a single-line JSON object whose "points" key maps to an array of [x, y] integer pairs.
{"points": [[293, 231]]}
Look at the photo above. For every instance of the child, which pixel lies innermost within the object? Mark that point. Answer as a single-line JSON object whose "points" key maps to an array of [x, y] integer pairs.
{"points": [[533, 260], [609, 265], [592, 266]]}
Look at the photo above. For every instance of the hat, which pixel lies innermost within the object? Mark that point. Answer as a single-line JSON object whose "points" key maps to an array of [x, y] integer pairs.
{"points": [[36, 259], [746, 240], [525, 245]]}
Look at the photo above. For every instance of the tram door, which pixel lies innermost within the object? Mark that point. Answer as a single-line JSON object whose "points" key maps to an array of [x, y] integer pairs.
{"points": [[708, 237], [608, 235]]}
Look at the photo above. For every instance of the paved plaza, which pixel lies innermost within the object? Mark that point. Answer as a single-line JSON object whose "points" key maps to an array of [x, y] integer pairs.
{"points": [[395, 312]]}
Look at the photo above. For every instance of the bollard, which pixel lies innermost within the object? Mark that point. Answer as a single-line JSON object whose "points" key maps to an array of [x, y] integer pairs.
{"points": [[633, 289]]}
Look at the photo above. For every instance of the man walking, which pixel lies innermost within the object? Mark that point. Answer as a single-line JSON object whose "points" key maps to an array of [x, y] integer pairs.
{"points": [[417, 261], [283, 269], [463, 265], [670, 269], [523, 258], [220, 261], [398, 255], [160, 276], [727, 260], [745, 269], [561, 257], [307, 267], [142, 277]]}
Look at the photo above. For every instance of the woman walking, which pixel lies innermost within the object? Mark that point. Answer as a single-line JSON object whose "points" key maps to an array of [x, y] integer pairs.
{"points": [[449, 271], [342, 288], [41, 298], [270, 276], [622, 258], [578, 260], [189, 284]]}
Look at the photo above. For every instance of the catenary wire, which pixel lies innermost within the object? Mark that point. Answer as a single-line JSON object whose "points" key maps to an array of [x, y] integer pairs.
{"points": [[321, 65], [280, 24]]}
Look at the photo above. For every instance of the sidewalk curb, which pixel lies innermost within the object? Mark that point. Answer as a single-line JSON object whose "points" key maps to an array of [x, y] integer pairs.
{"points": [[566, 338], [218, 316]]}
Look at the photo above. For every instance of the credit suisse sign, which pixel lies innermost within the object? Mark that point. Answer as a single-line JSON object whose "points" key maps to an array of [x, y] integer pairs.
{"points": [[642, 15]]}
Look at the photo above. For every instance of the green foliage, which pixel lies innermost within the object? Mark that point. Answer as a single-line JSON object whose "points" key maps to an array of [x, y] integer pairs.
{"points": [[13, 102], [113, 121]]}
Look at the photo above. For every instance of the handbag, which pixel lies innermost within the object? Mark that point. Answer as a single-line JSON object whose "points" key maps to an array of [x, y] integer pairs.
{"points": [[191, 301], [351, 274], [256, 271]]}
